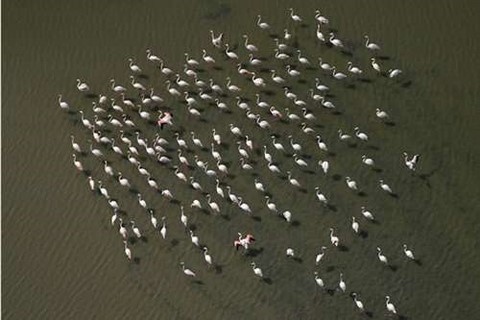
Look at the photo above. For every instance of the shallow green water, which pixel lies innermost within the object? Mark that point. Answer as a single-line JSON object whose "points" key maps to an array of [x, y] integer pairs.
{"points": [[61, 258]]}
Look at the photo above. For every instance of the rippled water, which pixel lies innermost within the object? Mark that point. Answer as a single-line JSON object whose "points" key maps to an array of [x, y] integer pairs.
{"points": [[62, 259]]}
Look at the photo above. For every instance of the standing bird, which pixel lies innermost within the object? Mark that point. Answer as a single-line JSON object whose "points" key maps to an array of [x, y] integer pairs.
{"points": [[321, 197], [408, 252], [91, 183], [341, 284], [128, 252], [381, 114], [370, 45], [389, 305], [334, 239], [208, 258], [134, 67], [262, 25], [318, 280], [77, 163], [385, 187], [136, 230], [183, 217], [367, 214], [63, 105], [383, 259], [360, 135], [358, 303], [290, 253], [194, 238], [319, 256], [82, 86], [153, 220], [256, 270], [355, 225], [352, 184], [375, 65], [188, 272], [295, 17], [163, 231]]}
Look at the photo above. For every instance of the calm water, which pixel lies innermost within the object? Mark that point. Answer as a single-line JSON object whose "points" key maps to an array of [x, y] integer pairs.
{"points": [[61, 258]]}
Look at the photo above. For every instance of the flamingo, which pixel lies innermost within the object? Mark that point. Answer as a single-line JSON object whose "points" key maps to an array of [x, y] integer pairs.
{"points": [[128, 252], [334, 239], [293, 181], [321, 19], [276, 78], [320, 35], [216, 41], [358, 303], [321, 197], [360, 135], [290, 252], [191, 62], [63, 105], [136, 230], [207, 59], [375, 65], [117, 88], [318, 280], [411, 163], [335, 42], [338, 75], [389, 305], [153, 58], [341, 284], [136, 85], [355, 225], [230, 54], [135, 68], [250, 47], [383, 259], [294, 17], [352, 69], [77, 163], [352, 184], [381, 114], [367, 214], [82, 86], [325, 165], [256, 270], [262, 25], [370, 45], [319, 256], [163, 230], [213, 205], [392, 73], [186, 271], [385, 187], [408, 252]]}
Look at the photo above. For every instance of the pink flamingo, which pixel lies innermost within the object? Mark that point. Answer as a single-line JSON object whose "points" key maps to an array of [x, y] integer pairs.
{"points": [[244, 241], [165, 118]]}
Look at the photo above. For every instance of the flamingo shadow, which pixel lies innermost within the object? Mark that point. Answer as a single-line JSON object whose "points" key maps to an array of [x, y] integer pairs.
{"points": [[418, 262], [343, 248], [393, 267], [330, 269], [267, 281], [363, 234], [136, 260], [297, 260], [253, 252], [218, 269]]}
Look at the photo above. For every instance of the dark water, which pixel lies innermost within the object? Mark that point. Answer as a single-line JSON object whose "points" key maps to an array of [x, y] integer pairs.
{"points": [[62, 259]]}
